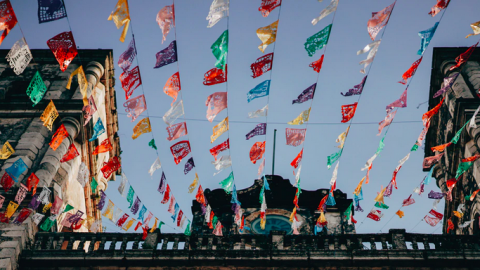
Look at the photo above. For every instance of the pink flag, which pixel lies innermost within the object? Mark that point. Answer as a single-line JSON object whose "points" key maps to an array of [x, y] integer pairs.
{"points": [[379, 20], [135, 106], [432, 221], [400, 103], [295, 137], [216, 102], [171, 206], [429, 161], [408, 201], [172, 87], [180, 150], [386, 122], [165, 19], [176, 131], [261, 167]]}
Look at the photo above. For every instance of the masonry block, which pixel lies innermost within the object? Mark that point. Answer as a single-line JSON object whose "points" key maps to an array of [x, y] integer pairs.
{"points": [[5, 264], [15, 245]]}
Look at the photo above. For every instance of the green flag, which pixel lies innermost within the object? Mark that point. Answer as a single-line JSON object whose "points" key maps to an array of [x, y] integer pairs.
{"points": [[130, 196], [317, 41], [457, 135], [214, 221], [262, 193], [348, 212], [93, 185], [227, 183], [36, 89], [333, 157], [220, 50], [467, 198], [47, 224], [187, 229], [463, 167], [152, 144], [381, 205], [160, 225], [414, 147], [381, 145], [67, 208]]}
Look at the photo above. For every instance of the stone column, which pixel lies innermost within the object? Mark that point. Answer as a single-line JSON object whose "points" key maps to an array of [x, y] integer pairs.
{"points": [[398, 238], [51, 160]]}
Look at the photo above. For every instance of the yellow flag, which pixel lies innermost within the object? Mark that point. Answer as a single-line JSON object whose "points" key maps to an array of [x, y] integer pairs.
{"points": [[49, 115], [219, 129], [82, 83], [359, 187], [120, 17], [321, 218], [263, 221], [458, 214], [129, 224], [476, 29], [294, 212], [142, 127], [194, 184], [109, 211], [11, 208], [267, 35], [46, 207], [6, 151], [154, 225], [341, 138], [379, 197], [302, 118]]}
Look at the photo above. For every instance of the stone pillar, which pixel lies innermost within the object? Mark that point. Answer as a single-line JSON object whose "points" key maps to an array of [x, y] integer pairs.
{"points": [[398, 238], [51, 160], [278, 238]]}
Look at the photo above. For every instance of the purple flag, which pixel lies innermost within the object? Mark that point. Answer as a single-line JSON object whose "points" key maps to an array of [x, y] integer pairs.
{"points": [[447, 83], [435, 195], [189, 165], [34, 203], [136, 205], [163, 184], [307, 94], [260, 129], [126, 58], [50, 10], [101, 203], [75, 218], [167, 55], [356, 90]]}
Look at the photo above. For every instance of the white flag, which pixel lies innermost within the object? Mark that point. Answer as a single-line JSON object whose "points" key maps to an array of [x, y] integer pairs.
{"points": [[472, 123], [123, 184], [37, 218], [369, 162], [334, 175], [19, 56], [117, 214], [174, 113], [218, 10], [373, 48], [155, 166], [222, 163], [324, 13], [465, 224], [258, 113], [261, 167]]}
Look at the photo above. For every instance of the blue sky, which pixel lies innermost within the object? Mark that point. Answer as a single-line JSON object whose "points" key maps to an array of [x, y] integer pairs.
{"points": [[291, 75]]}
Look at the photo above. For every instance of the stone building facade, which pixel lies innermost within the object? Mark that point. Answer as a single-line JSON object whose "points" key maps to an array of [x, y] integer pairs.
{"points": [[461, 101], [21, 126], [279, 208]]}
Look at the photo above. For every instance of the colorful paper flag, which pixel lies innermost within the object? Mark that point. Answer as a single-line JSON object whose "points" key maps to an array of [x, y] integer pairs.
{"points": [[167, 55], [379, 20], [121, 17], [165, 19], [318, 41], [215, 103], [306, 95], [135, 106], [141, 127], [130, 80], [36, 89], [295, 137], [219, 129], [426, 37], [180, 150], [267, 35], [262, 65], [332, 7], [64, 48], [268, 6], [218, 10]]}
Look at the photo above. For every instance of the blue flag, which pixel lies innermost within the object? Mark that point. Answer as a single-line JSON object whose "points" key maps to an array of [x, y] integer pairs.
{"points": [[426, 37], [177, 208], [141, 215], [260, 90], [17, 168], [98, 130]]}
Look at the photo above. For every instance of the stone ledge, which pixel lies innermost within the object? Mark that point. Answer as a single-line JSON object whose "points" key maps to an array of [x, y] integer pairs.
{"points": [[5, 264]]}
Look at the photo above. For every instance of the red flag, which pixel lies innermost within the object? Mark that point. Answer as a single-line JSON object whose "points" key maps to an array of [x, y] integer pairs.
{"points": [[450, 225], [109, 167], [348, 111], [179, 218], [145, 232], [317, 65], [322, 203], [215, 76], [472, 158], [257, 151], [58, 137], [426, 116], [436, 214], [64, 48], [6, 182], [105, 146], [122, 220], [441, 148], [268, 5], [71, 153], [176, 131], [297, 160], [463, 58], [294, 136], [32, 182], [219, 148], [200, 197], [375, 215], [441, 4], [138, 225], [166, 196], [130, 80], [451, 183], [262, 65], [411, 71], [379, 20], [22, 216], [408, 201], [8, 20], [180, 150]]}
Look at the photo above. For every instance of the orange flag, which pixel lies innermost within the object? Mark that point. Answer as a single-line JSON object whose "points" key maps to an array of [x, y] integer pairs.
{"points": [[105, 146], [441, 148], [257, 151], [58, 137]]}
